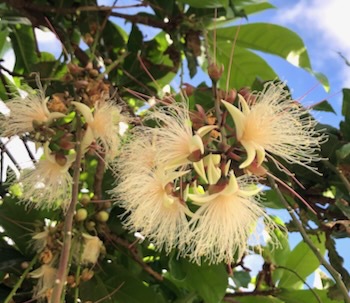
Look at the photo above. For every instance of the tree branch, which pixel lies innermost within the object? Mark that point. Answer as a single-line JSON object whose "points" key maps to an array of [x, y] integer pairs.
{"points": [[336, 275], [68, 224]]}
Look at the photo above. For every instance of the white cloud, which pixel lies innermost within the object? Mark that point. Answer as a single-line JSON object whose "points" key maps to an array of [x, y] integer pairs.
{"points": [[326, 24]]}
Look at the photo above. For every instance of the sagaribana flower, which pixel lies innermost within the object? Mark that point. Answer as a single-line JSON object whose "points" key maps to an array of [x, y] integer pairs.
{"points": [[25, 113], [103, 126], [48, 185], [46, 275], [176, 143], [220, 228], [275, 124], [152, 207], [91, 249]]}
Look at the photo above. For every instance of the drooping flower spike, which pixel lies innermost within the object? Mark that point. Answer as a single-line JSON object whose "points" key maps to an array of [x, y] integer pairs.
{"points": [[277, 125], [25, 113], [48, 185]]}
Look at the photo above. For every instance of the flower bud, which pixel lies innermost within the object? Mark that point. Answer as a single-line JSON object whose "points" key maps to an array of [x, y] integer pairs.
{"points": [[215, 72], [102, 216], [81, 215]]}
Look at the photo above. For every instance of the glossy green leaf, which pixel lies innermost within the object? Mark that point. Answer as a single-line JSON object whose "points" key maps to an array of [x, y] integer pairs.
{"points": [[22, 39], [305, 296], [241, 278], [257, 299], [9, 256], [302, 261], [112, 277], [246, 66], [4, 45], [205, 3], [256, 8], [324, 106], [268, 38], [209, 281], [343, 152], [17, 221], [346, 103]]}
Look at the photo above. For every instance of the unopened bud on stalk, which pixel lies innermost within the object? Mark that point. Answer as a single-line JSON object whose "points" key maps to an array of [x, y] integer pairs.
{"points": [[61, 159], [215, 72], [81, 214], [102, 216]]}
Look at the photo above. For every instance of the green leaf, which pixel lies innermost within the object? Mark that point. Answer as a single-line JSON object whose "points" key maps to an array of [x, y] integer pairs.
{"points": [[271, 199], [9, 256], [4, 45], [22, 39], [17, 221], [246, 66], [343, 152], [206, 3], [324, 106], [241, 278], [209, 281], [258, 299], [112, 276], [346, 103], [255, 8], [304, 296], [269, 38], [302, 261]]}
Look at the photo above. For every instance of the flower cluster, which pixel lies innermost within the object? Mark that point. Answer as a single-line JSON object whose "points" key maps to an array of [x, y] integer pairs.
{"points": [[48, 244], [178, 183], [48, 122]]}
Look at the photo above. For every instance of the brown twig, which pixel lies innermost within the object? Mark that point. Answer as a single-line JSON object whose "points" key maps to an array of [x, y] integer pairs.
{"points": [[100, 169], [335, 274], [68, 225]]}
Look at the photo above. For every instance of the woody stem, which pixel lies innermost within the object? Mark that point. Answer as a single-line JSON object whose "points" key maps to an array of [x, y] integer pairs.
{"points": [[335, 274], [68, 225]]}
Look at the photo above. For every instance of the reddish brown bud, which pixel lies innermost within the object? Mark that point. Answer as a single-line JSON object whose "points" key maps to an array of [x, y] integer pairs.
{"points": [[215, 72]]}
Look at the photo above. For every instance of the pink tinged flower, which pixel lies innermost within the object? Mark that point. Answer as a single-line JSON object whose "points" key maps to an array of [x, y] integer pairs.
{"points": [[91, 249], [224, 221], [46, 275], [48, 185], [25, 111], [103, 126], [176, 143], [276, 125], [152, 207]]}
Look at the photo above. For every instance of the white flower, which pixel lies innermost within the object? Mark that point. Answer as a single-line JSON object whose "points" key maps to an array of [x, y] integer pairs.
{"points": [[91, 249], [49, 184], [225, 219], [46, 275], [152, 207], [176, 143], [103, 126], [277, 125], [25, 111]]}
